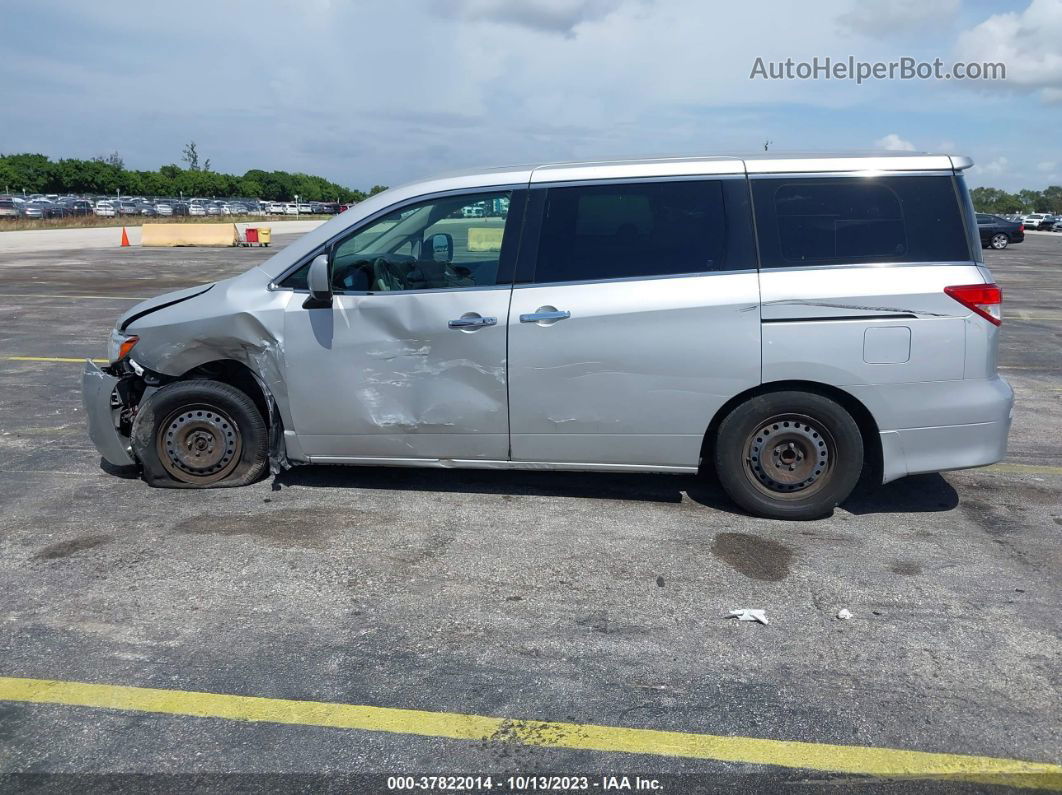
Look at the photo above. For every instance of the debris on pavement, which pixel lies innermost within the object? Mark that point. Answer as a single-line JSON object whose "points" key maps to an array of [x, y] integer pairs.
{"points": [[844, 614], [749, 614]]}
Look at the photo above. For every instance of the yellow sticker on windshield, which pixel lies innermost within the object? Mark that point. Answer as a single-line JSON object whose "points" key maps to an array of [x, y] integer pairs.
{"points": [[485, 238]]}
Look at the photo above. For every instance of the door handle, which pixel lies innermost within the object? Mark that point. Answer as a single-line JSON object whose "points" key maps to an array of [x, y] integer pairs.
{"points": [[473, 322], [538, 317]]}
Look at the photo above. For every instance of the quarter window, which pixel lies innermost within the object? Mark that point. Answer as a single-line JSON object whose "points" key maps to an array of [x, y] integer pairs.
{"points": [[445, 243], [600, 232], [828, 221]]}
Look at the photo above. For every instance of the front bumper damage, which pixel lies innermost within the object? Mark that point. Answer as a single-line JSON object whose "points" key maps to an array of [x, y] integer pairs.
{"points": [[103, 414], [113, 396]]}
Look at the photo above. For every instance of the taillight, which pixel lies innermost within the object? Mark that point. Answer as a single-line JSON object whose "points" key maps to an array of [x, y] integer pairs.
{"points": [[984, 299], [1021, 227]]}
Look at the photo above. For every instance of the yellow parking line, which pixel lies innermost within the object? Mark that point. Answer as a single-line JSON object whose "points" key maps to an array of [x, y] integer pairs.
{"points": [[1025, 469], [851, 759], [76, 360]]}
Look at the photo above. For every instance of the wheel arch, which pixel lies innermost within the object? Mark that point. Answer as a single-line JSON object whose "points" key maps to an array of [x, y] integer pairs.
{"points": [[868, 426], [238, 375]]}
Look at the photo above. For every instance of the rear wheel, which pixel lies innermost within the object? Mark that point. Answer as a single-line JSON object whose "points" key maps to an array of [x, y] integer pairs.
{"points": [[789, 455], [1000, 241], [200, 434]]}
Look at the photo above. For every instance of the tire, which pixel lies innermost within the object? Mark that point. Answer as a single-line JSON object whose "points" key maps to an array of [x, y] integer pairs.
{"points": [[815, 455], [200, 434], [1000, 241]]}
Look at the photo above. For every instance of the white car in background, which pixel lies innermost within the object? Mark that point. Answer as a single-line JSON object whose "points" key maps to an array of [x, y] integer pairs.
{"points": [[291, 209], [196, 209], [275, 208], [104, 209]]}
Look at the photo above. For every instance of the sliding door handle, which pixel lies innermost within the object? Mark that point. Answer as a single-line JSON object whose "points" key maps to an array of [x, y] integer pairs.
{"points": [[545, 314]]}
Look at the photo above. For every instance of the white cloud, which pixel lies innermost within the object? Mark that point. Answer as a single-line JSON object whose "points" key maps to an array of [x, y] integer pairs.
{"points": [[547, 16], [874, 19], [1027, 42], [994, 167], [894, 143]]}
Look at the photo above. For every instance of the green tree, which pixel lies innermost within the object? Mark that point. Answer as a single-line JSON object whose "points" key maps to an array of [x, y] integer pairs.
{"points": [[1053, 199], [190, 155], [994, 200], [35, 173], [1031, 200]]}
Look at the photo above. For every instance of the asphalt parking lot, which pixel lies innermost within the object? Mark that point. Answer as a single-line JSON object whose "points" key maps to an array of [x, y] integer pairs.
{"points": [[588, 599]]}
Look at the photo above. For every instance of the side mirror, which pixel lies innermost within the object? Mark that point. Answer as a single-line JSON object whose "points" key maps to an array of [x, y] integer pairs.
{"points": [[441, 246], [319, 281]]}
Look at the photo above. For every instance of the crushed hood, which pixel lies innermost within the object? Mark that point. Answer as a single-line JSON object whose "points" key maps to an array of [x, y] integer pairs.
{"points": [[160, 302]]}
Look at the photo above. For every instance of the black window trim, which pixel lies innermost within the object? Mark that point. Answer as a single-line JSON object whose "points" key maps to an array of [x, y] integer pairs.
{"points": [[518, 196]]}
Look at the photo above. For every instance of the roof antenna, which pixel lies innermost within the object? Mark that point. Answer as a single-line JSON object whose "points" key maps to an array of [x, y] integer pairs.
{"points": [[767, 144]]}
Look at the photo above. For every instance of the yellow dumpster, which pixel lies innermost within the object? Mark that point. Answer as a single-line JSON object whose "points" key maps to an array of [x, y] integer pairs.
{"points": [[263, 235]]}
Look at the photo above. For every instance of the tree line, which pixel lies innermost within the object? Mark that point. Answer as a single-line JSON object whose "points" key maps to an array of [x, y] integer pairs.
{"points": [[106, 175], [999, 202]]}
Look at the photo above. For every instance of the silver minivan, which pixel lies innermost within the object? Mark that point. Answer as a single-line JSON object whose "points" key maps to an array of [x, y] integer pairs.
{"points": [[791, 323]]}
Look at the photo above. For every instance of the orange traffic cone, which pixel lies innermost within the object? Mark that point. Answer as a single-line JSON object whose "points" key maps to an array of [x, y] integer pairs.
{"points": [[125, 237]]}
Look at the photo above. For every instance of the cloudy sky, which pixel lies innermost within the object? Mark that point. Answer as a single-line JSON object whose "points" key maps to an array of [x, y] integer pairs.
{"points": [[385, 92]]}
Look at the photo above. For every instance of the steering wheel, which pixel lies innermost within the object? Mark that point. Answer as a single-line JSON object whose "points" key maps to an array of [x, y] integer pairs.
{"points": [[382, 276]]}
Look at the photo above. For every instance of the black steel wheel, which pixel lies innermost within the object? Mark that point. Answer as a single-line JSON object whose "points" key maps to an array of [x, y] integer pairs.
{"points": [[200, 434], [789, 455], [199, 444]]}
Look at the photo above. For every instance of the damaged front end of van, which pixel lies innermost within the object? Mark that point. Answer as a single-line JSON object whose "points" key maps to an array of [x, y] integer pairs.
{"points": [[194, 335]]}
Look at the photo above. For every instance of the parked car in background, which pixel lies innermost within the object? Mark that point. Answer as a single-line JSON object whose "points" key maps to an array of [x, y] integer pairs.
{"points": [[291, 209], [997, 232], [1048, 224], [77, 206], [275, 208], [196, 209], [163, 210], [8, 208], [1033, 220], [235, 208], [1057, 226], [104, 209], [32, 209]]}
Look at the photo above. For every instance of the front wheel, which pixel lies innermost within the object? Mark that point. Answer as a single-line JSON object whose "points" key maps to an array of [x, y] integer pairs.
{"points": [[200, 434], [789, 455], [1000, 241]]}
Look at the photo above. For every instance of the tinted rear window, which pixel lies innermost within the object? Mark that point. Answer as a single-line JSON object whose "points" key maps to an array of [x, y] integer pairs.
{"points": [[830, 221], [596, 232]]}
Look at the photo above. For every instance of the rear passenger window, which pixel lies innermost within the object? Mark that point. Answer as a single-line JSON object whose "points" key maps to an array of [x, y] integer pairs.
{"points": [[829, 221], [596, 232]]}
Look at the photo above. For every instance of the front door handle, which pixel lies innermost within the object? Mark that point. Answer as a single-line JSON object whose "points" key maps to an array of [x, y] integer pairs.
{"points": [[547, 314], [473, 321]]}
